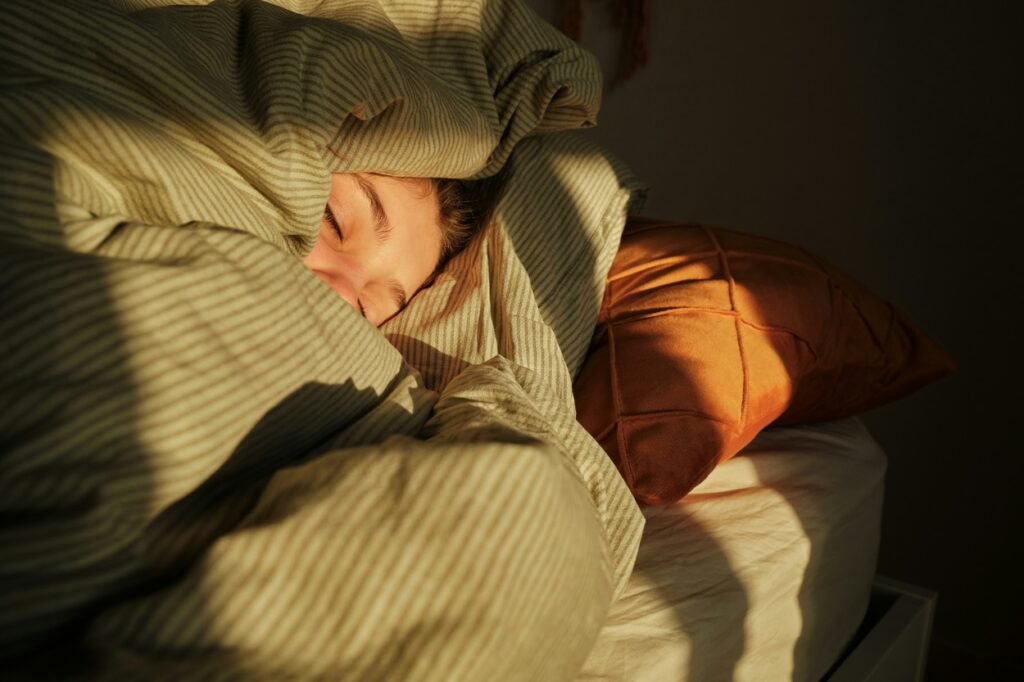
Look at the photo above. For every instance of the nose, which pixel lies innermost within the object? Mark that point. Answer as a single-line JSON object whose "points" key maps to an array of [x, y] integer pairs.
{"points": [[346, 279], [341, 271], [342, 285]]}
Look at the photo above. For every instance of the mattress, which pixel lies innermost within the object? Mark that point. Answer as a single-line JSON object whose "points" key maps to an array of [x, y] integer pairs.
{"points": [[763, 572]]}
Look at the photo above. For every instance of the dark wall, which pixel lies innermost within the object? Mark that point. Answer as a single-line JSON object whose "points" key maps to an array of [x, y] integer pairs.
{"points": [[884, 136]]}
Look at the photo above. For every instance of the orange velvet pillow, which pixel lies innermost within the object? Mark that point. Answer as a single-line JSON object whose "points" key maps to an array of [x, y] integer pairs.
{"points": [[707, 335]]}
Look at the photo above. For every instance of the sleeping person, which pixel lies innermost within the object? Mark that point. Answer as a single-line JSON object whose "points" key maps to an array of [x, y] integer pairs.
{"points": [[383, 238]]}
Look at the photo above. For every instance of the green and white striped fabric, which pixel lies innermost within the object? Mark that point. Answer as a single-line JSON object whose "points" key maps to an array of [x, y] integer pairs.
{"points": [[210, 466]]}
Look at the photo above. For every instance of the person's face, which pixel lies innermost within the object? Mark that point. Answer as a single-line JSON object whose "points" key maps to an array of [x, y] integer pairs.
{"points": [[380, 240]]}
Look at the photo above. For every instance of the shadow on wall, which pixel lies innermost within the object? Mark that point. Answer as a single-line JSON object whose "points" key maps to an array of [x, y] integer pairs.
{"points": [[883, 139]]}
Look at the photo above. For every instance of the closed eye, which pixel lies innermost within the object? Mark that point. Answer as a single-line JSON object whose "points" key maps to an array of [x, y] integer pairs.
{"points": [[397, 294], [333, 222]]}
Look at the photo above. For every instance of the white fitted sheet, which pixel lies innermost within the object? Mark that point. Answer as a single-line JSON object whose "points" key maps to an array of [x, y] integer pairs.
{"points": [[763, 572]]}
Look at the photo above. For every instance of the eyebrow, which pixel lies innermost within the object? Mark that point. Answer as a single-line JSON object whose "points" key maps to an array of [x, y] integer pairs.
{"points": [[381, 225]]}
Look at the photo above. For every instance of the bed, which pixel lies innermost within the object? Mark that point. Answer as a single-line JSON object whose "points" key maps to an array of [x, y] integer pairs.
{"points": [[763, 572], [212, 468]]}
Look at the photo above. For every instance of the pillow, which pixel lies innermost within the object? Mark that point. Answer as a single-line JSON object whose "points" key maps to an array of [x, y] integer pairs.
{"points": [[706, 336]]}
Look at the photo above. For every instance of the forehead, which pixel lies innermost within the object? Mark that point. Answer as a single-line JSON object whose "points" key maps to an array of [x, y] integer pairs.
{"points": [[413, 247]]}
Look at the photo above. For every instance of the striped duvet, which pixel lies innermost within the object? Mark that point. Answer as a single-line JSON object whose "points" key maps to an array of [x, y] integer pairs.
{"points": [[210, 466]]}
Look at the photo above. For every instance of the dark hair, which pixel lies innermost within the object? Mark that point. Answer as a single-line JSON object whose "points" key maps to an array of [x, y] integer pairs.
{"points": [[465, 207]]}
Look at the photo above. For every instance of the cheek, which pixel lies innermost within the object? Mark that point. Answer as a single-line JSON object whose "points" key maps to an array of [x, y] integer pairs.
{"points": [[313, 257], [322, 255]]}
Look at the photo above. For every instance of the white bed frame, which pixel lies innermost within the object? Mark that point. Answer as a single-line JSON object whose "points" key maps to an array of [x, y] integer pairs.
{"points": [[892, 643]]}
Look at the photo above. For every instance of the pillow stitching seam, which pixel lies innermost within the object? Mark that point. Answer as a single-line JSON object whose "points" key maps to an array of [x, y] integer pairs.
{"points": [[683, 310], [724, 260], [627, 470], [853, 302], [658, 414]]}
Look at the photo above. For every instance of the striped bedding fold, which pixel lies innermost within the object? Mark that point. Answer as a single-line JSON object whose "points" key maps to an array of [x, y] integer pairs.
{"points": [[210, 466]]}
